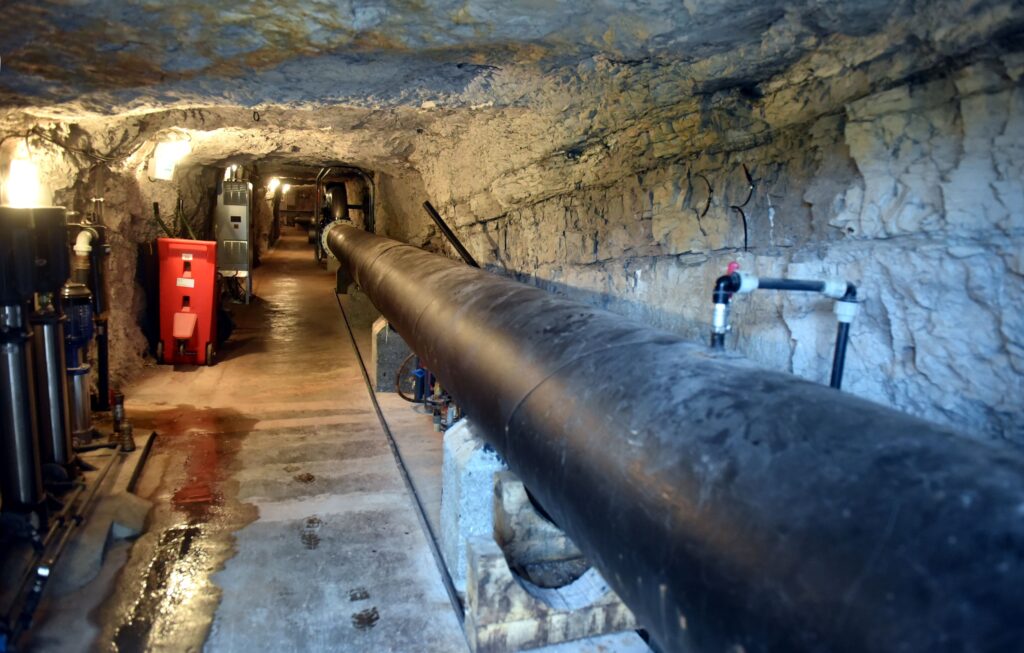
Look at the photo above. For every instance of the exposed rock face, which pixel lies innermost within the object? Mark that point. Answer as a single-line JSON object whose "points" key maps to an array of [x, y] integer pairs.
{"points": [[608, 151], [914, 193]]}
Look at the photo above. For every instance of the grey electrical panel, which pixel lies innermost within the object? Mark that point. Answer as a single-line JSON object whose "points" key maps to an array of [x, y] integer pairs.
{"points": [[232, 228]]}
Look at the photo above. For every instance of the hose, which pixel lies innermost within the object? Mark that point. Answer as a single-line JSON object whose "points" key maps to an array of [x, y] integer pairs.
{"points": [[399, 376]]}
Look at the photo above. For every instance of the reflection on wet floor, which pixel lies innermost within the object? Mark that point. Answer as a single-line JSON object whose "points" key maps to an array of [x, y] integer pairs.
{"points": [[170, 582], [280, 521], [190, 534]]}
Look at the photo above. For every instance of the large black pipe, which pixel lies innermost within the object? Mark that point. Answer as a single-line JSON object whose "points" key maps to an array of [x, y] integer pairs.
{"points": [[732, 508]]}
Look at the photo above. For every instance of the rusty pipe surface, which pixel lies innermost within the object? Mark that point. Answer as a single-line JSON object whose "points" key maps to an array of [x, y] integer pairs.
{"points": [[732, 508]]}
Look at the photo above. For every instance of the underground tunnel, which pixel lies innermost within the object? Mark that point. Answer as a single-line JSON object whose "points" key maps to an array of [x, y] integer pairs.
{"points": [[624, 326]]}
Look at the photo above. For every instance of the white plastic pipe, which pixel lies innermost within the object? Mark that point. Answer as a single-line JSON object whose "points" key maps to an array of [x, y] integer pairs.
{"points": [[83, 243]]}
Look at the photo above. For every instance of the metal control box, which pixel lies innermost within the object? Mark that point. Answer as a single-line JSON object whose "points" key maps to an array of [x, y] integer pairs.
{"points": [[232, 228]]}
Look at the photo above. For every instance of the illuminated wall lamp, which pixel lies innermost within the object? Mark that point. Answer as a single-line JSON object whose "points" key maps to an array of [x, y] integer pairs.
{"points": [[22, 188], [166, 157]]}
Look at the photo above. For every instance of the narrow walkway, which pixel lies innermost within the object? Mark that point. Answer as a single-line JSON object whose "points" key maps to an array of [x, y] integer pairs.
{"points": [[281, 521]]}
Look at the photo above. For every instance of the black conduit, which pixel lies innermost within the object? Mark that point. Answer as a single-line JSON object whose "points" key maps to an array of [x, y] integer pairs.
{"points": [[98, 255], [450, 235], [800, 285], [727, 285], [732, 508], [839, 356]]}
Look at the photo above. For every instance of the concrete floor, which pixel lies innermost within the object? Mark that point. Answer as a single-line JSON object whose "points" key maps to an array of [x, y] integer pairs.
{"points": [[421, 449], [280, 521]]}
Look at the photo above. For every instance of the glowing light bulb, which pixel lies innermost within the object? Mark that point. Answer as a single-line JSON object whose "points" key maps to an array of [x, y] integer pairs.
{"points": [[273, 184], [286, 188], [22, 185]]}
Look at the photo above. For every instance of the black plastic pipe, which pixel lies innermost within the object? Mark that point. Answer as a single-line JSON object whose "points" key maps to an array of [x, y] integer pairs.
{"points": [[801, 285], [839, 356], [97, 279], [727, 285], [732, 508], [100, 250], [450, 235], [842, 335], [102, 364]]}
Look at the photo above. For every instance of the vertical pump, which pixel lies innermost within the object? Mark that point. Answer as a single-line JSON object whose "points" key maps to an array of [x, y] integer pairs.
{"points": [[20, 477], [52, 407], [78, 304]]}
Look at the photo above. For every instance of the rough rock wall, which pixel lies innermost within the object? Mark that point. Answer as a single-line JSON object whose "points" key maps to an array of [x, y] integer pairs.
{"points": [[74, 172], [262, 216], [399, 212], [915, 193]]}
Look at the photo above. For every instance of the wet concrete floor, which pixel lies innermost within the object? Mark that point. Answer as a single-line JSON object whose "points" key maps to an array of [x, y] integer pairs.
{"points": [[281, 522]]}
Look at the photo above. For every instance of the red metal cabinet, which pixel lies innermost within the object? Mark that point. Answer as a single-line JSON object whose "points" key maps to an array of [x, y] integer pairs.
{"points": [[188, 301]]}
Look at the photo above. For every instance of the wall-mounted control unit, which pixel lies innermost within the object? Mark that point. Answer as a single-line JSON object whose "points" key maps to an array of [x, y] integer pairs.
{"points": [[232, 226]]}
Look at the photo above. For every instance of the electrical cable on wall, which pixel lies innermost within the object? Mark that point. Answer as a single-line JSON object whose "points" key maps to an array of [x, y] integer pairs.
{"points": [[739, 207]]}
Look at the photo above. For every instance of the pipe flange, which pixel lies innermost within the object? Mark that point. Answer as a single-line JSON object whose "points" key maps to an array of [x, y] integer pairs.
{"points": [[323, 236]]}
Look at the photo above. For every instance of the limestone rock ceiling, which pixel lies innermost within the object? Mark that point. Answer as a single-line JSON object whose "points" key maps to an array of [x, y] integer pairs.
{"points": [[115, 55]]}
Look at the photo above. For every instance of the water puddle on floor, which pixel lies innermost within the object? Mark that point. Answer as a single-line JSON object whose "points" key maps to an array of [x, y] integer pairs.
{"points": [[170, 580], [165, 597]]}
